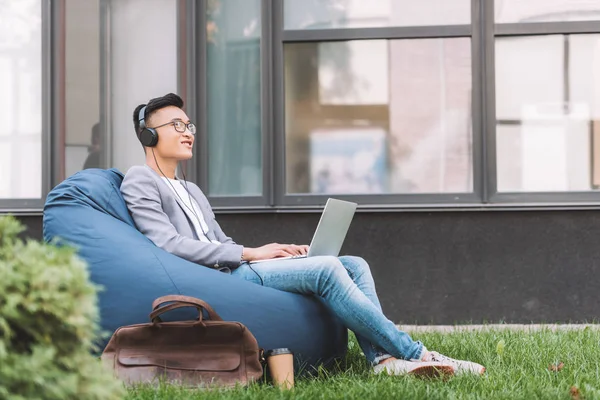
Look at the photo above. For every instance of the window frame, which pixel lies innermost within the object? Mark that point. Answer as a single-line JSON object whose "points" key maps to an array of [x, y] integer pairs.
{"points": [[482, 32], [473, 31], [560, 200], [199, 167]]}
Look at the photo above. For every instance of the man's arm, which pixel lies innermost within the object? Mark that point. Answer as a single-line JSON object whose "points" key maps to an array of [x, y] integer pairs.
{"points": [[268, 251], [219, 234], [143, 201]]}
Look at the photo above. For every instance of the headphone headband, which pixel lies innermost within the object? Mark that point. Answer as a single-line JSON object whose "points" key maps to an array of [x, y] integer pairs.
{"points": [[142, 117]]}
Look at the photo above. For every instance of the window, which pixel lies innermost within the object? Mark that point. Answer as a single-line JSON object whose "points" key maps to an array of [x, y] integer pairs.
{"points": [[233, 87], [21, 108], [402, 103], [83, 134], [335, 14], [143, 64], [108, 69], [546, 10], [379, 116], [547, 111]]}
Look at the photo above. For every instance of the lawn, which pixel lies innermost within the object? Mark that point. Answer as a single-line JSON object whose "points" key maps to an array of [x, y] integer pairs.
{"points": [[541, 364]]}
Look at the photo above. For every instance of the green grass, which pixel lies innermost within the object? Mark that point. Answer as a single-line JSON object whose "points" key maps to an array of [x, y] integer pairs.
{"points": [[517, 368]]}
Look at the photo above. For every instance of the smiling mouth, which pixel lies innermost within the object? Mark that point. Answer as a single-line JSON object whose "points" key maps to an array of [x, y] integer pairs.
{"points": [[187, 142]]}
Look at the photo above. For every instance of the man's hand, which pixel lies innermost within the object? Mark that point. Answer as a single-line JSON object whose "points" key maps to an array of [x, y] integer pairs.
{"points": [[273, 250]]}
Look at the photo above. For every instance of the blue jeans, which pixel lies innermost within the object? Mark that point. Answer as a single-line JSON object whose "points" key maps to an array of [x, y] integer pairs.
{"points": [[347, 288]]}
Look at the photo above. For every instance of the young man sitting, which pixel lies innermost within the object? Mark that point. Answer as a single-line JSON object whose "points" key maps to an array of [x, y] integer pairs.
{"points": [[177, 217]]}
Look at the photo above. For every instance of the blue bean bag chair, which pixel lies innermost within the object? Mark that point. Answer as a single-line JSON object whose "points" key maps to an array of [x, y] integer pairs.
{"points": [[88, 212]]}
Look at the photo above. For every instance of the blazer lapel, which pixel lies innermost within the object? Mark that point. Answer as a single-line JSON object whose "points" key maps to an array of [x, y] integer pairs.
{"points": [[167, 189], [184, 209], [187, 211], [177, 199]]}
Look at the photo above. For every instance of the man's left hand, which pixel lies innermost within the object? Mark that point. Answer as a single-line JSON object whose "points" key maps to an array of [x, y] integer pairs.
{"points": [[299, 250]]}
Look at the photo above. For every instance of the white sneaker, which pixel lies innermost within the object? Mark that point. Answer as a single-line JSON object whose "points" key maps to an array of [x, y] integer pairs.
{"points": [[459, 365], [415, 367]]}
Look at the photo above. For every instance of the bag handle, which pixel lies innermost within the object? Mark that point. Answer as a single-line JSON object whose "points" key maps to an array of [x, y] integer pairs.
{"points": [[179, 298], [179, 302], [155, 315]]}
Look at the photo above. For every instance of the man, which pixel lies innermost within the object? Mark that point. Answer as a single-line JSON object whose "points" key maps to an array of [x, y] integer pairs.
{"points": [[177, 217]]}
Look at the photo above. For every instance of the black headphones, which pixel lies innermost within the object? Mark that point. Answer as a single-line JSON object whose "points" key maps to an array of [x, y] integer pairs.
{"points": [[148, 136]]}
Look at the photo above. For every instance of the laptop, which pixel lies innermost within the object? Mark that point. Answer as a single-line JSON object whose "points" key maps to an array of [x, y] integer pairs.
{"points": [[330, 233]]}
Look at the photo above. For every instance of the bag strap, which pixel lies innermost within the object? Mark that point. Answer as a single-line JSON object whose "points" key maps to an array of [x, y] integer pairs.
{"points": [[182, 301]]}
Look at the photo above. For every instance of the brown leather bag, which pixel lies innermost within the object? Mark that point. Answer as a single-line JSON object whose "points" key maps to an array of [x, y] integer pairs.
{"points": [[192, 353]]}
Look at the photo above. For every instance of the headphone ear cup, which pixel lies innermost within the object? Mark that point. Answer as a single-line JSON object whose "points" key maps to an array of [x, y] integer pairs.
{"points": [[149, 137]]}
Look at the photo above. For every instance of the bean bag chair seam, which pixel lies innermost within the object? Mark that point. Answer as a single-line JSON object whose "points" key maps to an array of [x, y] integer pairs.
{"points": [[166, 272]]}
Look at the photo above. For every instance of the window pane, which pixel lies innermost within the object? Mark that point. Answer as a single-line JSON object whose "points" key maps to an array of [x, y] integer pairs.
{"points": [[143, 65], [326, 14], [234, 98], [546, 10], [133, 74], [379, 116], [84, 139], [547, 92], [21, 99]]}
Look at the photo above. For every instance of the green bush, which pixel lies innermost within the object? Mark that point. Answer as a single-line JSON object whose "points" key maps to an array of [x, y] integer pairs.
{"points": [[48, 323]]}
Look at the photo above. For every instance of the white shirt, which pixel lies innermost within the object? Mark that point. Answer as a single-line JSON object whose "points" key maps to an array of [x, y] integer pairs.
{"points": [[196, 216]]}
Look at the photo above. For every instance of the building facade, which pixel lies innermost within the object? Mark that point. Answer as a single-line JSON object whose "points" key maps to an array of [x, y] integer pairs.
{"points": [[466, 131]]}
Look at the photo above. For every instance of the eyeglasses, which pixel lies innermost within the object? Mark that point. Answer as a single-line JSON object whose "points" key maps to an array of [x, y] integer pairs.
{"points": [[180, 126]]}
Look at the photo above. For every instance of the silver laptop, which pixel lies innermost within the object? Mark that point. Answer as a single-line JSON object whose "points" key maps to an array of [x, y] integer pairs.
{"points": [[331, 230]]}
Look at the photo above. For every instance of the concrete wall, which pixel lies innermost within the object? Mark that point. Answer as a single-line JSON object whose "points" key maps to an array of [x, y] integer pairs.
{"points": [[458, 267]]}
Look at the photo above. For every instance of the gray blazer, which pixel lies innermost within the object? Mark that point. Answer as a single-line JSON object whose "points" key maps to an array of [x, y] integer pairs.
{"points": [[159, 214]]}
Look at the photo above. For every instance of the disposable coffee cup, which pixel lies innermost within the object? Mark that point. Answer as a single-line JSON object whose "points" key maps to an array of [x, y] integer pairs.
{"points": [[281, 367]]}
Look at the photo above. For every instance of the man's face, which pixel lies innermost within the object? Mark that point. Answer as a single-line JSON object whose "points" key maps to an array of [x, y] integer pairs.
{"points": [[172, 144]]}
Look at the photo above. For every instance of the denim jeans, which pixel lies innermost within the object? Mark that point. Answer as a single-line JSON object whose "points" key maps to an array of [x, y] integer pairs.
{"points": [[347, 288]]}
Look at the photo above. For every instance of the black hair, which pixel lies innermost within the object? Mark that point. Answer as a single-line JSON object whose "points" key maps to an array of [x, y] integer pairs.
{"points": [[153, 105]]}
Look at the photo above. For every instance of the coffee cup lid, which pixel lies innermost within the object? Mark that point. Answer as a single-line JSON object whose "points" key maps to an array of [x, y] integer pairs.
{"points": [[276, 352]]}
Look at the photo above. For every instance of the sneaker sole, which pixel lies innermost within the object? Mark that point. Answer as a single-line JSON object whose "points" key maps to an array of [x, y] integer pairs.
{"points": [[430, 371], [480, 372]]}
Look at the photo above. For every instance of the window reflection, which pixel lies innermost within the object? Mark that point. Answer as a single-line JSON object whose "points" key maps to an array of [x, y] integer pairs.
{"points": [[234, 98], [546, 10], [102, 88], [548, 113], [85, 136], [379, 116], [21, 99], [332, 14]]}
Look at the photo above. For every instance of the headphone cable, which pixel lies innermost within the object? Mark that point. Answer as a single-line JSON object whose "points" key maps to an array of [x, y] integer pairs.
{"points": [[191, 209], [183, 201], [250, 266]]}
